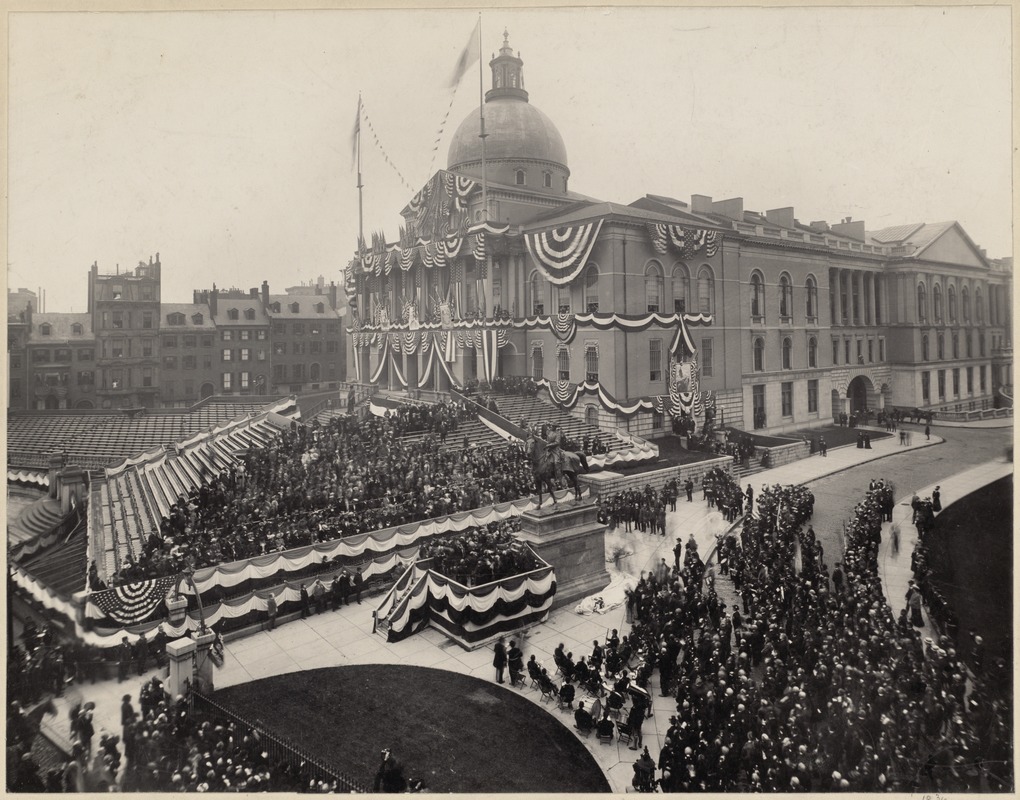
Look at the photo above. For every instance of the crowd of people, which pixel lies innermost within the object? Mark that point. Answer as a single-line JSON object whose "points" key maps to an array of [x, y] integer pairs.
{"points": [[166, 744], [481, 555], [319, 483], [810, 683], [643, 510], [440, 419]]}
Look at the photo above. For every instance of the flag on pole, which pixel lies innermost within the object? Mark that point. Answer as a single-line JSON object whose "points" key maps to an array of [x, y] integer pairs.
{"points": [[468, 56], [355, 133]]}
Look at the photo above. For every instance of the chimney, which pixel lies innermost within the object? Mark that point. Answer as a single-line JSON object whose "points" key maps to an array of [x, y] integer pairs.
{"points": [[28, 314], [332, 295], [850, 229], [732, 208], [213, 297], [701, 203], [819, 226], [253, 293], [783, 217], [265, 293]]}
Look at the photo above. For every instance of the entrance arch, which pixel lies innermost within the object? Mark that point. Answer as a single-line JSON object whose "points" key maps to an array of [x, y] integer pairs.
{"points": [[207, 390], [862, 394]]}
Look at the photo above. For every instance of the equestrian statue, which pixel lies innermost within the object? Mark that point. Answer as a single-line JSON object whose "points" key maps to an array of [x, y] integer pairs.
{"points": [[549, 462]]}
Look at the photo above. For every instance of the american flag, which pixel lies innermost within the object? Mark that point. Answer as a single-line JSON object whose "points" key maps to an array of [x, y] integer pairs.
{"points": [[133, 602]]}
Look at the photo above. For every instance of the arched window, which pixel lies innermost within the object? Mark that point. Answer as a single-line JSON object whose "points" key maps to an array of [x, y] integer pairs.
{"points": [[956, 345], [313, 372], [787, 353], [77, 329], [922, 303], [979, 306], [519, 177], [924, 347], [811, 300], [757, 297], [563, 364], [681, 289], [759, 354], [785, 297], [563, 299], [981, 344], [936, 301], [45, 329], [653, 287], [965, 303], [968, 343], [706, 290], [941, 344], [812, 352], [951, 295], [537, 363], [535, 292], [591, 289]]}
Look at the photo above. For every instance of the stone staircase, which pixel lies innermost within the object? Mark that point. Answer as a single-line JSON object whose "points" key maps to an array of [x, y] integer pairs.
{"points": [[535, 411], [38, 519]]}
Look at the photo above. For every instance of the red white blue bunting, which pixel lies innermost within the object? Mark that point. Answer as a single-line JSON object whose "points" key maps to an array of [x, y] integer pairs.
{"points": [[561, 253], [133, 602]]}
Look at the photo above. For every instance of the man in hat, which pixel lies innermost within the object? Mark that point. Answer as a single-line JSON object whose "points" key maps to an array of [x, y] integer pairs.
{"points": [[123, 659], [359, 583]]}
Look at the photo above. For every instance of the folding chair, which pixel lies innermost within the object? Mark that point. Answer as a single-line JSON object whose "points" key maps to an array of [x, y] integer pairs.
{"points": [[607, 739], [623, 731], [548, 693]]}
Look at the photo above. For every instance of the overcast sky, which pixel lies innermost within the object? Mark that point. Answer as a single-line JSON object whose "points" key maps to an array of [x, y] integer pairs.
{"points": [[222, 139]]}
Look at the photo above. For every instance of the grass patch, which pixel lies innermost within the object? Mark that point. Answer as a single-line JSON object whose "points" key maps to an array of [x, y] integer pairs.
{"points": [[457, 733], [835, 436]]}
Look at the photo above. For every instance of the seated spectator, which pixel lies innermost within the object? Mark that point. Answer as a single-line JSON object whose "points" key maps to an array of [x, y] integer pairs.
{"points": [[582, 719], [606, 728], [567, 694]]}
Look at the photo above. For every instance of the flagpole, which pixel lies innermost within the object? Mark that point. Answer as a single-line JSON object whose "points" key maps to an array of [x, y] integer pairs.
{"points": [[361, 223], [481, 116]]}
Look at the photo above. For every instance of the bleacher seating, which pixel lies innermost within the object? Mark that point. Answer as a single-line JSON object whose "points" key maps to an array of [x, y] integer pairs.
{"points": [[129, 501]]}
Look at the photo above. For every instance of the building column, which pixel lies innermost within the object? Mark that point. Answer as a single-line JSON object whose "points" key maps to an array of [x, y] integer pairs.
{"points": [[839, 298], [869, 298]]}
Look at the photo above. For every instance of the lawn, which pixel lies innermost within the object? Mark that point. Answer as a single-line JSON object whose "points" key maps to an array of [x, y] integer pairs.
{"points": [[977, 576], [457, 733], [835, 436]]}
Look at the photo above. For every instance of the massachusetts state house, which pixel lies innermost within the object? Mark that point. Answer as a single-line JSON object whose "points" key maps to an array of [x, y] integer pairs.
{"points": [[628, 314]]}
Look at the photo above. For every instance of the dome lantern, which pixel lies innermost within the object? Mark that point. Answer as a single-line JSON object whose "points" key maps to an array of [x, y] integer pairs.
{"points": [[507, 73]]}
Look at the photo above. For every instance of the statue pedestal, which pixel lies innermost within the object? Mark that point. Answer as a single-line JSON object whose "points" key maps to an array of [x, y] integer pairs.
{"points": [[569, 536]]}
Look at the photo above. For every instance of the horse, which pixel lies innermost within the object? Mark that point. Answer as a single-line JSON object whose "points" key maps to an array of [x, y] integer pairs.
{"points": [[548, 463]]}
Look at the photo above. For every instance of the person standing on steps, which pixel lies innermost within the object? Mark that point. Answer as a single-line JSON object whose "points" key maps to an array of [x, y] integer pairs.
{"points": [[499, 659]]}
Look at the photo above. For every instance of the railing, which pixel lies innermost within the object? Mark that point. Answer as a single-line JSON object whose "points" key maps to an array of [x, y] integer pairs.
{"points": [[280, 749]]}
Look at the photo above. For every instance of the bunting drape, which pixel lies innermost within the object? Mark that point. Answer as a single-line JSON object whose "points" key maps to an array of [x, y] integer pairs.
{"points": [[686, 242], [561, 253]]}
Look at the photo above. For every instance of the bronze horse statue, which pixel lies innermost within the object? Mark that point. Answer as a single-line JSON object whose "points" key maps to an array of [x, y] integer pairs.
{"points": [[550, 462]]}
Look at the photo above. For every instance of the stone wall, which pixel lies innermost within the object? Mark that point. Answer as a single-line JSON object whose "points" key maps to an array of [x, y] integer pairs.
{"points": [[603, 484]]}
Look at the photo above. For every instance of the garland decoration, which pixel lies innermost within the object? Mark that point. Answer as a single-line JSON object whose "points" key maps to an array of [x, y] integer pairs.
{"points": [[561, 253], [686, 242]]}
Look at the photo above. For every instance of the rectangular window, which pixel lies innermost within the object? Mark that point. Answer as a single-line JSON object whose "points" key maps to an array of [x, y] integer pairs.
{"points": [[846, 351], [245, 336], [169, 341], [657, 419], [244, 380], [871, 350], [260, 334], [331, 346], [207, 361], [591, 364], [189, 388], [655, 359], [299, 329], [315, 328], [40, 356], [207, 340], [62, 355], [537, 364], [758, 405], [279, 329], [299, 348], [298, 371], [85, 355], [245, 354], [189, 340], [812, 396], [146, 376], [117, 348], [169, 362], [563, 364], [860, 351], [146, 319], [942, 384], [15, 362], [280, 349], [228, 354], [956, 382], [227, 336], [706, 358], [925, 387], [835, 351], [787, 395], [116, 379], [227, 380], [86, 378], [981, 378], [146, 291], [189, 362], [118, 319], [881, 349], [314, 348], [970, 380]]}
